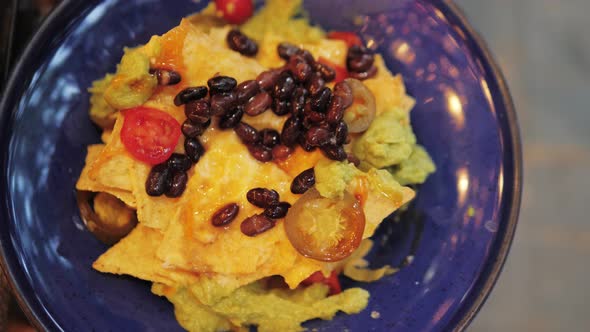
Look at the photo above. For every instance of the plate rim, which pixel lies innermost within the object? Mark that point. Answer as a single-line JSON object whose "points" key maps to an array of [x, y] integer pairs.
{"points": [[512, 195]]}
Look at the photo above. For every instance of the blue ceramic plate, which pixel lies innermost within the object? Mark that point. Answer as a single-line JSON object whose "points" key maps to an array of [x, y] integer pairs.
{"points": [[458, 230]]}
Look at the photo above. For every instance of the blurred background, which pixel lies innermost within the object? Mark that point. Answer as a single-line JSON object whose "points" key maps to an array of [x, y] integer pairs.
{"points": [[543, 47]]}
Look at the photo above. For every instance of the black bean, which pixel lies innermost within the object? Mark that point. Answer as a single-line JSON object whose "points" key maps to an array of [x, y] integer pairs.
{"points": [[291, 131], [193, 149], [298, 101], [177, 184], [221, 84], [300, 69], [326, 72], [167, 77], [179, 162], [256, 224], [341, 133], [319, 101], [353, 159], [286, 50], [198, 111], [222, 103], [190, 94], [284, 87], [364, 75], [192, 130], [281, 107], [246, 133], [310, 116], [334, 152], [280, 152], [335, 111], [246, 90], [305, 145], [157, 180], [318, 136], [315, 84], [239, 42], [260, 152], [270, 137], [302, 182], [231, 118], [258, 104], [277, 211], [262, 197], [225, 215], [268, 79], [359, 59], [307, 56], [343, 90]]}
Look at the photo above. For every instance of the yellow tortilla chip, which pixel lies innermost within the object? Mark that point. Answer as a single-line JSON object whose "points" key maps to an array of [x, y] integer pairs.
{"points": [[85, 182]]}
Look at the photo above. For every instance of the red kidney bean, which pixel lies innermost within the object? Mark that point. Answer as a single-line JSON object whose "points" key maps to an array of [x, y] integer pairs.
{"points": [[260, 152], [318, 136], [221, 84], [277, 211], [270, 137], [364, 75], [177, 184], [192, 130], [341, 133], [246, 133], [281, 107], [319, 101], [256, 224], [246, 90], [167, 77], [302, 182], [300, 69], [334, 152], [179, 163], [193, 149], [223, 102], [291, 131], [258, 104], [225, 215], [359, 59], [190, 94], [198, 111], [157, 180], [239, 42], [231, 118], [281, 152], [262, 197], [284, 87], [268, 79], [343, 90]]}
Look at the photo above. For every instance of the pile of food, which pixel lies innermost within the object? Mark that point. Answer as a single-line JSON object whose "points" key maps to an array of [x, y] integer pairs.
{"points": [[244, 166]]}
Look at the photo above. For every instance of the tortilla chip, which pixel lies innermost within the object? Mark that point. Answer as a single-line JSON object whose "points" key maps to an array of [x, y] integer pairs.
{"points": [[85, 182]]}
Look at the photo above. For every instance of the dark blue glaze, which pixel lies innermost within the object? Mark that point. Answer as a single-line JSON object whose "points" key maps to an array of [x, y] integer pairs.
{"points": [[463, 116]]}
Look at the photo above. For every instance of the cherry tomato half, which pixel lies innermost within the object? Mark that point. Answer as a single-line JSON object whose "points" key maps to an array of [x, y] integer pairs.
{"points": [[150, 135], [235, 11], [325, 229], [341, 72], [350, 38], [331, 281]]}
